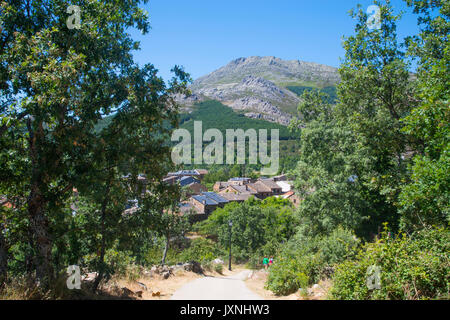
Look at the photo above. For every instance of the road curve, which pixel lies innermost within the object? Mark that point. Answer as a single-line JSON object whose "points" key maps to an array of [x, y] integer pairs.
{"points": [[212, 288]]}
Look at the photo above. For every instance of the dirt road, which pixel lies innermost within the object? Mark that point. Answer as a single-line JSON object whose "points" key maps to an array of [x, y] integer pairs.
{"points": [[217, 288]]}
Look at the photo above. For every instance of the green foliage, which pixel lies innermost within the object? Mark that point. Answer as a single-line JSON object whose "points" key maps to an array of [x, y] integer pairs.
{"points": [[425, 199], [286, 276], [117, 262], [255, 223], [215, 115], [153, 255], [218, 268], [208, 112], [57, 84], [352, 162], [330, 92], [201, 250], [270, 249], [412, 267], [312, 257]]}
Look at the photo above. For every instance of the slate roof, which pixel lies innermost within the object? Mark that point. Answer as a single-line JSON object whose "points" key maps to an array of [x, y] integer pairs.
{"points": [[240, 179], [184, 173], [215, 197], [205, 200], [243, 189], [270, 183], [237, 197], [259, 187], [221, 184], [210, 198], [184, 181]]}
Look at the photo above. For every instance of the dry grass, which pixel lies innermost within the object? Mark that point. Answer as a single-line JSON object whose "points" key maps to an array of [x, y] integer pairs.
{"points": [[21, 289], [257, 282], [157, 284]]}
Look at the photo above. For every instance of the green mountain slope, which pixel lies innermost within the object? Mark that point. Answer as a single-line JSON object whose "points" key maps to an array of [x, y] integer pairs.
{"points": [[214, 114], [330, 91]]}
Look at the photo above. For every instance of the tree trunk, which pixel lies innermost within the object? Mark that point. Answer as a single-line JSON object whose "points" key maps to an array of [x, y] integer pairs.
{"points": [[101, 259], [3, 259], [166, 248], [39, 228], [36, 210]]}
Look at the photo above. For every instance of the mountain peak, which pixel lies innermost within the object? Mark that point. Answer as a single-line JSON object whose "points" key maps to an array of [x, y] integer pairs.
{"points": [[258, 84], [271, 68]]}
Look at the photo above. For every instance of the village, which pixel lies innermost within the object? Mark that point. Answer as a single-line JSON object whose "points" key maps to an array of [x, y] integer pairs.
{"points": [[201, 202]]}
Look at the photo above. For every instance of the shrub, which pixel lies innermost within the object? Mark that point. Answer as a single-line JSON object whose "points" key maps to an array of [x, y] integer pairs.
{"points": [[256, 225], [154, 256], [270, 249], [340, 245], [118, 262], [201, 250], [133, 272], [207, 265], [412, 267], [218, 268], [319, 253], [286, 276]]}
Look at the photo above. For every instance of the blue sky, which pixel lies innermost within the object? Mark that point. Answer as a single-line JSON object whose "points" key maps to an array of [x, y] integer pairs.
{"points": [[203, 35]]}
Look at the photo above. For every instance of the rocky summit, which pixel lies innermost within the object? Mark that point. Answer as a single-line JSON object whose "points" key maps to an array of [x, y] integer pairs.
{"points": [[258, 86]]}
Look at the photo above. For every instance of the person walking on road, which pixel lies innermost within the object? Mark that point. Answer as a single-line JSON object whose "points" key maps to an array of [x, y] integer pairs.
{"points": [[266, 262]]}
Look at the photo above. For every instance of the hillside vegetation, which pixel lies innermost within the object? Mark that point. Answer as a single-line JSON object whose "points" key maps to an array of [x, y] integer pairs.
{"points": [[214, 114], [329, 91]]}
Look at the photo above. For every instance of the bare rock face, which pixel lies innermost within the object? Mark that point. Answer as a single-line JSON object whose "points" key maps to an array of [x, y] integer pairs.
{"points": [[187, 100], [261, 110], [257, 85], [272, 69]]}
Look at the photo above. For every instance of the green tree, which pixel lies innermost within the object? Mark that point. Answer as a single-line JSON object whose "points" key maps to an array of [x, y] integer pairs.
{"points": [[57, 84], [255, 224], [352, 155], [425, 199]]}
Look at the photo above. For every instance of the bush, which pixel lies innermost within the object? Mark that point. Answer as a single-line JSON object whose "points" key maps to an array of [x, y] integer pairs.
{"points": [[154, 255], [256, 224], [270, 249], [340, 245], [201, 250], [118, 262], [414, 267], [319, 253], [218, 268], [207, 265], [286, 276]]}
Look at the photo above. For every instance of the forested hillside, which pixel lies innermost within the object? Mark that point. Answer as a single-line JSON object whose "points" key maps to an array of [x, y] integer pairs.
{"points": [[329, 91], [214, 114]]}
